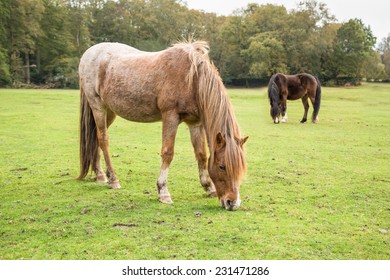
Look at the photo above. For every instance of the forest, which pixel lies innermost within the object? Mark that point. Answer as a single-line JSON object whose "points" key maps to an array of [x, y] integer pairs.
{"points": [[41, 41]]}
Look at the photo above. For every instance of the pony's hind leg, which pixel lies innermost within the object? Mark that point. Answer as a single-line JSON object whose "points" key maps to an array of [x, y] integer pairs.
{"points": [[314, 118], [198, 139], [305, 107], [100, 174], [102, 123]]}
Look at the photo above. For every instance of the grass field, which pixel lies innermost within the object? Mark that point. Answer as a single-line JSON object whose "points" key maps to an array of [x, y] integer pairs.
{"points": [[313, 191]]}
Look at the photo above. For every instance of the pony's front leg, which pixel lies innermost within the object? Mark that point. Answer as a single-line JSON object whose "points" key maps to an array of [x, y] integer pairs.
{"points": [[283, 110], [170, 124], [198, 139], [284, 118]]}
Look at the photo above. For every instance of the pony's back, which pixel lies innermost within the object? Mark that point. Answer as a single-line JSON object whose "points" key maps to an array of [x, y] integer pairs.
{"points": [[95, 55]]}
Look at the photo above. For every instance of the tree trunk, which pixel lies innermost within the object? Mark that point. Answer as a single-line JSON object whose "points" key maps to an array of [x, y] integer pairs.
{"points": [[27, 68]]}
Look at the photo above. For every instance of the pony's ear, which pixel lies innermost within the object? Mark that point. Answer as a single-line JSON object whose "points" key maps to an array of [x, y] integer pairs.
{"points": [[221, 143], [243, 140]]}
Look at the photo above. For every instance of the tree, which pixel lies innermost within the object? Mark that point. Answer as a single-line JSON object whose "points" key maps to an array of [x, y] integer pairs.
{"points": [[55, 47], [386, 62], [47, 37], [267, 56], [106, 28], [208, 27], [384, 50], [80, 17], [235, 39], [242, 35], [384, 45], [265, 18], [5, 75], [306, 38], [24, 28], [353, 45], [373, 68]]}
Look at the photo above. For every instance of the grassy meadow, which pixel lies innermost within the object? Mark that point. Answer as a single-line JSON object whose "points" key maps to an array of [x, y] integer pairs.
{"points": [[313, 191]]}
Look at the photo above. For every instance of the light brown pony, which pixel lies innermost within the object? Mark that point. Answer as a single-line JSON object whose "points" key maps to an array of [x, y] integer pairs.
{"points": [[175, 85]]}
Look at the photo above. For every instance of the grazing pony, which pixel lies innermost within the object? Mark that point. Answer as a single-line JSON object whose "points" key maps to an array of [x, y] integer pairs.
{"points": [[292, 87], [175, 85]]}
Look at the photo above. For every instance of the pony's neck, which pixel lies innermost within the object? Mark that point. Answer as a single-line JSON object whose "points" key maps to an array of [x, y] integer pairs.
{"points": [[219, 118], [213, 101]]}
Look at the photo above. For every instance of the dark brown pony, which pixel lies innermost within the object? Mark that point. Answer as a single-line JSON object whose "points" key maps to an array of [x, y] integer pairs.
{"points": [[292, 87], [175, 85]]}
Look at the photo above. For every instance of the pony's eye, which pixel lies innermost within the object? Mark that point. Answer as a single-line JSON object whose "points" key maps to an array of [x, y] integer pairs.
{"points": [[222, 167]]}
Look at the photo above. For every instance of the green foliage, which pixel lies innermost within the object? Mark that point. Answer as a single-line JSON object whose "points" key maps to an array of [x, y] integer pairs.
{"points": [[313, 191], [267, 56], [386, 61], [353, 44], [23, 29], [43, 38], [384, 49], [4, 19], [373, 68], [5, 77]]}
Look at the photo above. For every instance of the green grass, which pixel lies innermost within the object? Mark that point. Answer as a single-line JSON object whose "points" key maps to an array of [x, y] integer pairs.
{"points": [[313, 191]]}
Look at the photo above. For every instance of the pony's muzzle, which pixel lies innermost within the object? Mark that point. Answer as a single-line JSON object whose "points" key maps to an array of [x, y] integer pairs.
{"points": [[230, 204]]}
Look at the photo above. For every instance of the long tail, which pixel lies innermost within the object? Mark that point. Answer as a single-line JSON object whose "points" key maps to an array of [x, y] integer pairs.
{"points": [[89, 147], [317, 101], [273, 91], [273, 95]]}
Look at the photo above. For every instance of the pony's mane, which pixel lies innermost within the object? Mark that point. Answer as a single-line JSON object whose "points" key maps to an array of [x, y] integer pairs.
{"points": [[217, 112]]}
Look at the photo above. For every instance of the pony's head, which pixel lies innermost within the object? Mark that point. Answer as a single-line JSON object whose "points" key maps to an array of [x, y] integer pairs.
{"points": [[225, 174], [273, 95]]}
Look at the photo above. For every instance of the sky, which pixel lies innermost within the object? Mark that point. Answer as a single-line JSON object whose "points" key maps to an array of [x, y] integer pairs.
{"points": [[373, 13]]}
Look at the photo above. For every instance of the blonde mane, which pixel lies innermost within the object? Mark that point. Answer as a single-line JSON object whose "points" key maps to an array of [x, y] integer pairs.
{"points": [[216, 109]]}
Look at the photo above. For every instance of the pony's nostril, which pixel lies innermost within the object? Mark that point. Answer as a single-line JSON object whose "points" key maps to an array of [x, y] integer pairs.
{"points": [[229, 203]]}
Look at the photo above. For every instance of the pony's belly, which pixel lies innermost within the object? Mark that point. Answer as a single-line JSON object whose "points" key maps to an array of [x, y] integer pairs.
{"points": [[295, 95], [134, 110], [140, 115], [142, 119]]}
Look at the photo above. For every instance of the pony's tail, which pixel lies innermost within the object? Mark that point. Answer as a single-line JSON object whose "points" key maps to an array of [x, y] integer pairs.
{"points": [[317, 100], [273, 95], [88, 138], [273, 91]]}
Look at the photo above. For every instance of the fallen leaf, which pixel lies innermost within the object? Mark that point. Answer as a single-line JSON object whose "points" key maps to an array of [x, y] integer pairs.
{"points": [[84, 211]]}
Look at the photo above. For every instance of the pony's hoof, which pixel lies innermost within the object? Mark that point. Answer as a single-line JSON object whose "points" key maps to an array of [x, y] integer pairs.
{"points": [[165, 199], [210, 189], [212, 194], [115, 185], [101, 179]]}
